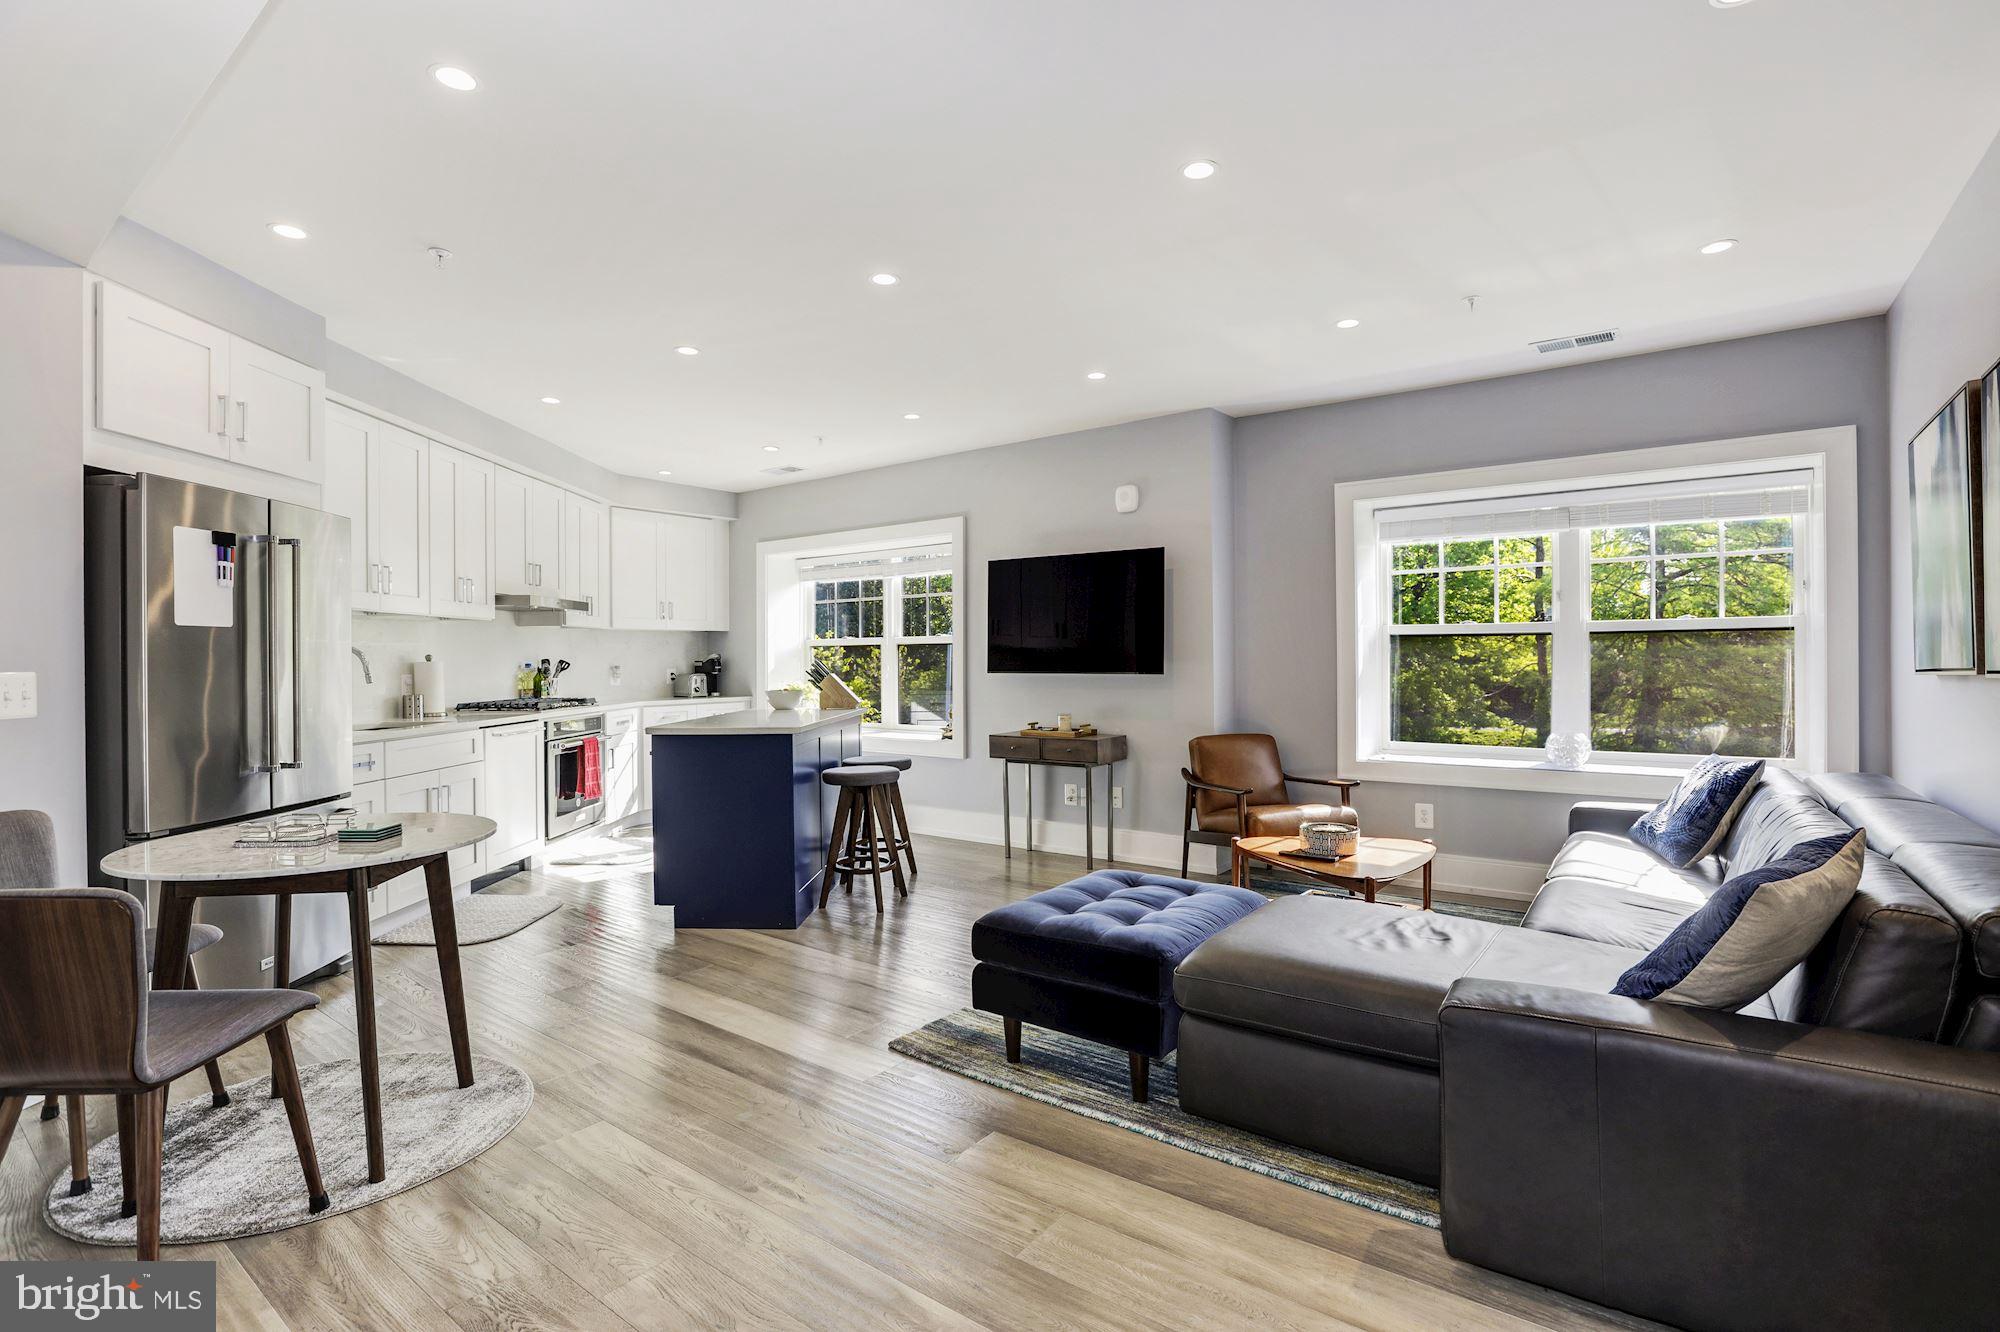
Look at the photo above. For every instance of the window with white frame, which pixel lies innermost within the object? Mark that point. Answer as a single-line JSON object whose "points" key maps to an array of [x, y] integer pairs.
{"points": [[1657, 617], [883, 622]]}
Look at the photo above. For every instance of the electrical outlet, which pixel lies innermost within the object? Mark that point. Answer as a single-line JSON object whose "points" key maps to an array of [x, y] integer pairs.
{"points": [[1117, 797], [268, 963], [1070, 796], [409, 683], [617, 673], [1426, 816], [17, 694]]}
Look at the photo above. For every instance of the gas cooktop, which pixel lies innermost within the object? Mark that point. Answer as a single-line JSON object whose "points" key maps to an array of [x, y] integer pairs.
{"points": [[525, 705]]}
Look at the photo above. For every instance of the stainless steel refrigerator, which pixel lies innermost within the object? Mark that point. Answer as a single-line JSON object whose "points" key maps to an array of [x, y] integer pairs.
{"points": [[217, 633]]}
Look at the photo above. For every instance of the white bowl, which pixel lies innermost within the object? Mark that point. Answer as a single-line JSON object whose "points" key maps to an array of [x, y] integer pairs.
{"points": [[785, 700]]}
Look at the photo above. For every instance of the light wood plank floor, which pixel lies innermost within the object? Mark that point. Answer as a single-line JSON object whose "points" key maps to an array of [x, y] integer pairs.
{"points": [[720, 1139]]}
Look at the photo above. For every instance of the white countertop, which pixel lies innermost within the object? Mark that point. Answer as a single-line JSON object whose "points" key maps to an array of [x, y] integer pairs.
{"points": [[479, 721], [759, 721], [211, 854]]}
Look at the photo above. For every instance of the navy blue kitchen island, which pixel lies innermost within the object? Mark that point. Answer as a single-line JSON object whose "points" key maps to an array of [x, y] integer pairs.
{"points": [[740, 816]]}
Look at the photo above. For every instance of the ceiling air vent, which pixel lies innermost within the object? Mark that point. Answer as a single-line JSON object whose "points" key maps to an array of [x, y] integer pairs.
{"points": [[782, 469], [1580, 340]]}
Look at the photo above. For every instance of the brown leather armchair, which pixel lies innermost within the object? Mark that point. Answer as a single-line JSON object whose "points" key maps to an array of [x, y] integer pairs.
{"points": [[1236, 788]]}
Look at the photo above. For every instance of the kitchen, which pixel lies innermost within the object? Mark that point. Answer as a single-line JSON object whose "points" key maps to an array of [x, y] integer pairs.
{"points": [[460, 563]]}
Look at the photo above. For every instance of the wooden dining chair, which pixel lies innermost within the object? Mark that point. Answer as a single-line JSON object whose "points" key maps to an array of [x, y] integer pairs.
{"points": [[28, 860], [77, 1016]]}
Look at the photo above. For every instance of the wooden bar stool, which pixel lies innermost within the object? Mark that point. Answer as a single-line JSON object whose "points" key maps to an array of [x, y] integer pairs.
{"points": [[862, 842], [899, 829]]}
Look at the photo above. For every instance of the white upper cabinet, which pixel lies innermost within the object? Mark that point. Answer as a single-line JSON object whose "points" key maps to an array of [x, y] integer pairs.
{"points": [[637, 601], [586, 549], [527, 534], [280, 415], [379, 481], [170, 378], [461, 534], [668, 571], [161, 375]]}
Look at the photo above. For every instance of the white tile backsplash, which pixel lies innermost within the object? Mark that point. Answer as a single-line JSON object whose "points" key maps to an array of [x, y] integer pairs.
{"points": [[479, 657]]}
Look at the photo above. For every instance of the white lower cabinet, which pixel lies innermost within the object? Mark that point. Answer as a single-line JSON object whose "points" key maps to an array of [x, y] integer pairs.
{"points": [[454, 790], [622, 789], [513, 792]]}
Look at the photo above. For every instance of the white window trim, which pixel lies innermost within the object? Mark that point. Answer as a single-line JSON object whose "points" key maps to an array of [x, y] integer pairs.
{"points": [[784, 610], [1829, 698]]}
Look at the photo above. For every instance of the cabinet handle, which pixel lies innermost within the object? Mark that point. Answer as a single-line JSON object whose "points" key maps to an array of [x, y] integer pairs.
{"points": [[242, 421], [222, 402], [369, 765], [389, 578], [444, 798]]}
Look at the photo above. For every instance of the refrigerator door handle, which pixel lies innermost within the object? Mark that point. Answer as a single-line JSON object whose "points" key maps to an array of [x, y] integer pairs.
{"points": [[263, 668], [292, 656]]}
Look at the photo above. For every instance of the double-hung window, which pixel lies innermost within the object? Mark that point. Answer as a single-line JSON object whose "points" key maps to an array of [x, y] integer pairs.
{"points": [[882, 622], [1650, 616]]}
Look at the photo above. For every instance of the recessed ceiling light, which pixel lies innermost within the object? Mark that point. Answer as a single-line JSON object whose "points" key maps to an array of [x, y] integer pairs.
{"points": [[665, 472], [454, 78], [553, 402], [1718, 246], [770, 448], [911, 416], [1095, 374], [688, 351], [884, 279], [1201, 170], [1348, 323], [288, 231], [1728, 4]]}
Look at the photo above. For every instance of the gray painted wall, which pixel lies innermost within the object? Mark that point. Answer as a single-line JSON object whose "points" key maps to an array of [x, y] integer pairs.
{"points": [[41, 537], [1042, 497], [1944, 329], [1287, 464]]}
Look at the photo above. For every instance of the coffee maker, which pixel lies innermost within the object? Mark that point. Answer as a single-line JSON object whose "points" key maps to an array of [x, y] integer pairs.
{"points": [[712, 668]]}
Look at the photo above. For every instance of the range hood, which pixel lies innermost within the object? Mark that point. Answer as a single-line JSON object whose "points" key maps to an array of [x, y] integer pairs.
{"points": [[540, 608]]}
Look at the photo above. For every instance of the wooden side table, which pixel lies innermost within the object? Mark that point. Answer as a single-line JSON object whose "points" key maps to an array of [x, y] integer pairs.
{"points": [[1376, 861], [1047, 751]]}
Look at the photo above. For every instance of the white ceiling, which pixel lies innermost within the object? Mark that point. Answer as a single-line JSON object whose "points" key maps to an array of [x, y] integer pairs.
{"points": [[633, 175]]}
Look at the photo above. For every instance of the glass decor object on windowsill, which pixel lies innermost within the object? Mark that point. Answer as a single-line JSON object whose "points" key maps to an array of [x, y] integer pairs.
{"points": [[1569, 750]]}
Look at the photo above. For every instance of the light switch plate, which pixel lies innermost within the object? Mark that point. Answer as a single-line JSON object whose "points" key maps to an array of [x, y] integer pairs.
{"points": [[18, 695]]}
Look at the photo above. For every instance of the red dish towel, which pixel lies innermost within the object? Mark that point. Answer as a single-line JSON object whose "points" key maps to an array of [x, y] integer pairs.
{"points": [[593, 769]]}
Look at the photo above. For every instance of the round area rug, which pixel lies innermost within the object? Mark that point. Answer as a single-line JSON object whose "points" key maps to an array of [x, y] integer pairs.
{"points": [[481, 918], [234, 1171]]}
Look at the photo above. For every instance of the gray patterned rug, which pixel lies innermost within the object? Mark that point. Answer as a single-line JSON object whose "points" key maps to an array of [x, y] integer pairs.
{"points": [[234, 1171], [1091, 1080], [481, 918]]}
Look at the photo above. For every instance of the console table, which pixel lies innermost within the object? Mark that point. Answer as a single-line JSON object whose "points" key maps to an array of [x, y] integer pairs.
{"points": [[1047, 751]]}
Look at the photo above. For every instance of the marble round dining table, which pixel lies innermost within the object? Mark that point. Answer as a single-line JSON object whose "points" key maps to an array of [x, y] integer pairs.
{"points": [[208, 863]]}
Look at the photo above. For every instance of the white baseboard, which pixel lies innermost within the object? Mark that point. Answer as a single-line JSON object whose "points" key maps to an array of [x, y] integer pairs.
{"points": [[1464, 876], [1134, 846]]}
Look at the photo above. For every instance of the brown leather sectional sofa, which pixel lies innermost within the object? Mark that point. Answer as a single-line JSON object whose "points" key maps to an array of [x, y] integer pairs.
{"points": [[1825, 1157]]}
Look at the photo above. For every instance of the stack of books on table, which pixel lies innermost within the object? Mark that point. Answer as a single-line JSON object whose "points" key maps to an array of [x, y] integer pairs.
{"points": [[371, 830]]}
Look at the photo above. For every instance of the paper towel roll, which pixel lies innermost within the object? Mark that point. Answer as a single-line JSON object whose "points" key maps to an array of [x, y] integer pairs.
{"points": [[428, 679]]}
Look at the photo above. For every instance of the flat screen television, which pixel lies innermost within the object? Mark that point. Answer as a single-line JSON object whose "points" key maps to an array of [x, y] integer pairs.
{"points": [[1100, 613]]}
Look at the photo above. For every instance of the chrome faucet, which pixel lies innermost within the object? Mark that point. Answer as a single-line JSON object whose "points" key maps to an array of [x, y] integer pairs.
{"points": [[367, 676]]}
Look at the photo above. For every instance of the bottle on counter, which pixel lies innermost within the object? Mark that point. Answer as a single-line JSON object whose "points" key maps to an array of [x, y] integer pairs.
{"points": [[542, 678], [524, 680]]}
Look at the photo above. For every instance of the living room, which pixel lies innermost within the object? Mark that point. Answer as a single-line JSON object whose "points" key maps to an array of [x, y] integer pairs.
{"points": [[1484, 442]]}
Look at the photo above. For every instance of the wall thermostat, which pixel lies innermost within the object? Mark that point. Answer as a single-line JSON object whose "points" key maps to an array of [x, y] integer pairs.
{"points": [[1126, 499]]}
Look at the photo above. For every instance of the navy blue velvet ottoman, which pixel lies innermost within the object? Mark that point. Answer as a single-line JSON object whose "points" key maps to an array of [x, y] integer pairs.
{"points": [[1095, 958]]}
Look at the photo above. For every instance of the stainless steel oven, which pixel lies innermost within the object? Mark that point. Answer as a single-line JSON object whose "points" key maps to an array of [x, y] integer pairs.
{"points": [[575, 785]]}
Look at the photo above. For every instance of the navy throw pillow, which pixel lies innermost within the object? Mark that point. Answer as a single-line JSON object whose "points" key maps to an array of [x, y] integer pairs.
{"points": [[1758, 926], [1691, 822]]}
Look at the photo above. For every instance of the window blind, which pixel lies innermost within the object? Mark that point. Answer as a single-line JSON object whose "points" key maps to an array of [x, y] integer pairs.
{"points": [[888, 563], [1760, 495]]}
